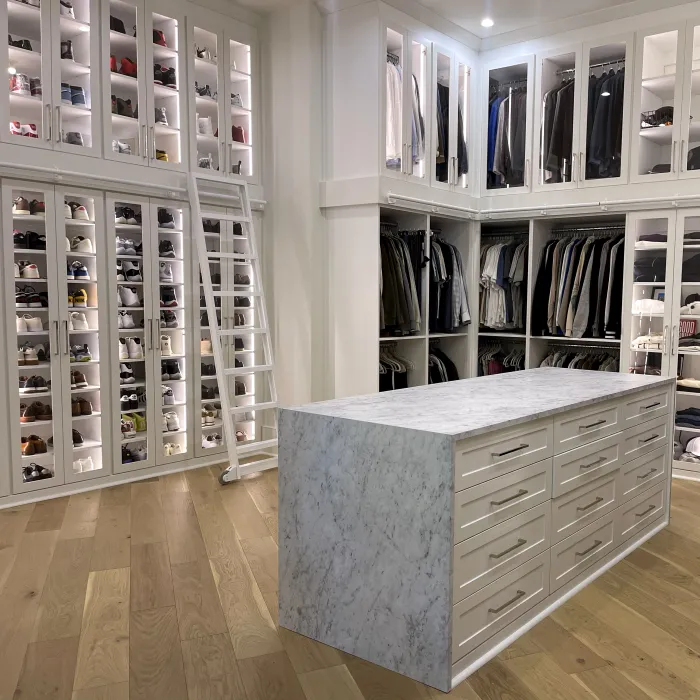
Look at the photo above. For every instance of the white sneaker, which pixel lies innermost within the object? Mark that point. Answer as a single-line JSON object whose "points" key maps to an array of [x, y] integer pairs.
{"points": [[67, 211], [121, 246], [139, 454], [692, 309], [80, 244], [67, 244], [88, 464], [129, 296], [165, 346], [66, 9], [120, 271], [29, 355], [164, 423], [166, 272], [132, 271], [204, 126], [80, 213], [34, 323], [21, 324], [126, 374], [173, 421], [176, 448], [30, 272], [17, 271], [167, 449], [127, 320], [78, 321], [123, 350], [168, 396], [205, 347], [77, 466], [135, 348]]}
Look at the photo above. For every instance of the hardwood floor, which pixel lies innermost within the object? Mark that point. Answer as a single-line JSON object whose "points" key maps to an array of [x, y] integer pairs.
{"points": [[167, 590]]}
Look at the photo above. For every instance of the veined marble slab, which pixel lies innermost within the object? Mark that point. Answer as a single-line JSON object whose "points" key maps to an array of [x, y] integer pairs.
{"points": [[473, 406]]}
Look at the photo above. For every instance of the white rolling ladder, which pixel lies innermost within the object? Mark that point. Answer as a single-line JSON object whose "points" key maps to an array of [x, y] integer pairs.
{"points": [[259, 453]]}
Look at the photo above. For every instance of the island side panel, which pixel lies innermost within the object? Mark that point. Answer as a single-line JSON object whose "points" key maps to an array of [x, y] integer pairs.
{"points": [[365, 541]]}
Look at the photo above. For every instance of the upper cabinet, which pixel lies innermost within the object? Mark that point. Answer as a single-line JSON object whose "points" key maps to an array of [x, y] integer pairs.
{"points": [[53, 66]]}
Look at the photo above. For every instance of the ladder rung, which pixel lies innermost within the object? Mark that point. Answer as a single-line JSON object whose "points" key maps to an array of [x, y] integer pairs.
{"points": [[260, 445], [267, 462], [241, 371], [241, 331], [254, 407], [224, 217], [241, 257], [220, 179]]}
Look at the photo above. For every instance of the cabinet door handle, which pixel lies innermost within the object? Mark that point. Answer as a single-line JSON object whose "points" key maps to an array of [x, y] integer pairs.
{"points": [[602, 421], [574, 170], [517, 545], [665, 336], [507, 452], [49, 123], [66, 337], [521, 492], [58, 124], [648, 474], [582, 167], [149, 335], [155, 329], [526, 174], [593, 464], [57, 344], [514, 599], [144, 142], [649, 439], [673, 157], [153, 143], [651, 405], [645, 512], [595, 545], [683, 159], [591, 504], [673, 339]]}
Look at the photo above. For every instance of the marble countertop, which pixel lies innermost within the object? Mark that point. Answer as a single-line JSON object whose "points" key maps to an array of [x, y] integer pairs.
{"points": [[472, 406]]}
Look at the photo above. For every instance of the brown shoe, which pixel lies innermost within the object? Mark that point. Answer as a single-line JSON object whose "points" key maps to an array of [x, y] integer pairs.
{"points": [[78, 378], [42, 410], [75, 406], [27, 414], [27, 447], [38, 444], [85, 407]]}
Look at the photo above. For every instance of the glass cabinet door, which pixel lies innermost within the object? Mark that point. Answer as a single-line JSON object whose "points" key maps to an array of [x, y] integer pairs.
{"points": [[444, 104], [605, 100], [239, 101], [658, 106], [394, 143], [163, 41], [690, 125], [29, 108], [649, 292], [35, 345], [126, 135], [76, 61], [208, 119], [416, 124], [555, 112], [461, 179]]}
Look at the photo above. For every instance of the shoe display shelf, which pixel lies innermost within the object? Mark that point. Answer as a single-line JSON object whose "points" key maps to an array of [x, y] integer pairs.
{"points": [[143, 65], [53, 63], [151, 386], [54, 274]]}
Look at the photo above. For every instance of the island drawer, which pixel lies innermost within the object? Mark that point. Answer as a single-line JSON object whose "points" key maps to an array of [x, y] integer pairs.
{"points": [[641, 473], [584, 464], [480, 507], [489, 610], [585, 425], [496, 453], [645, 438], [576, 553], [646, 405], [640, 511], [482, 559], [583, 505]]}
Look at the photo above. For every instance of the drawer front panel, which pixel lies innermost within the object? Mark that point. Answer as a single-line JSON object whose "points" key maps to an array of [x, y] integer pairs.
{"points": [[583, 505], [494, 454], [645, 438], [575, 554], [646, 405], [587, 463], [642, 473], [482, 559], [640, 511], [585, 425], [489, 610], [486, 505]]}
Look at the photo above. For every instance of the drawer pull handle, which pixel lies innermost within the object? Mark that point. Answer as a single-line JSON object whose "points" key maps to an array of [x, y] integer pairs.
{"points": [[522, 492], [649, 473], [519, 544], [591, 504], [652, 405], [649, 439], [646, 512], [593, 425], [595, 545], [507, 452], [515, 599], [593, 464]]}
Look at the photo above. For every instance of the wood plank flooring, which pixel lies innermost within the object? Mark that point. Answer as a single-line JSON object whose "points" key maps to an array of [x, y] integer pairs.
{"points": [[167, 590]]}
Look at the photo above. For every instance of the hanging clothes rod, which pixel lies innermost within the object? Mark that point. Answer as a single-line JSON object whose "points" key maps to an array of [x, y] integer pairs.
{"points": [[585, 348], [592, 66], [393, 58], [583, 229], [509, 82]]}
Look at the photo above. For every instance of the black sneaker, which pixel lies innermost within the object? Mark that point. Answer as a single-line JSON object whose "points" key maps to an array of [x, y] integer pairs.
{"points": [[19, 239], [161, 116], [127, 457], [165, 220], [116, 25], [202, 90], [237, 229], [77, 438], [67, 50], [173, 369], [208, 370], [216, 278], [208, 392], [238, 344], [166, 249], [158, 74], [169, 78], [168, 296], [168, 319], [36, 241], [241, 301]]}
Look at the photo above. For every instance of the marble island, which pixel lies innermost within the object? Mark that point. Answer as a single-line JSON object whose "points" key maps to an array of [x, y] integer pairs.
{"points": [[425, 529]]}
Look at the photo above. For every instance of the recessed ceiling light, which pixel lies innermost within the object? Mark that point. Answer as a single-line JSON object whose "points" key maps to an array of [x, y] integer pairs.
{"points": [[487, 22]]}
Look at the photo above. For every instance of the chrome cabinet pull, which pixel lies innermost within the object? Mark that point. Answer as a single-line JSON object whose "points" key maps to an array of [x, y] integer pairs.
{"points": [[515, 599], [593, 425], [574, 170], [507, 452], [649, 439], [149, 335], [673, 339], [526, 175], [49, 124], [593, 464], [582, 167], [153, 143], [645, 512], [66, 338], [522, 492], [144, 142], [665, 350], [58, 339], [683, 162], [673, 157], [595, 545], [591, 504], [649, 473], [58, 124], [651, 405], [155, 328], [518, 544]]}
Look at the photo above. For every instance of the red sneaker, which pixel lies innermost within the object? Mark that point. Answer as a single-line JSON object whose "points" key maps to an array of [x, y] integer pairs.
{"points": [[159, 38], [30, 131], [128, 67], [113, 64], [15, 129]]}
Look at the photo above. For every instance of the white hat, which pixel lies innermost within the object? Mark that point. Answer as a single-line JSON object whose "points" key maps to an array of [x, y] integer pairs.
{"points": [[693, 446]]}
